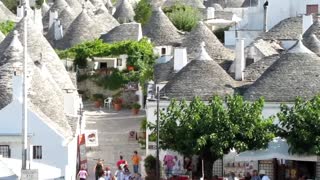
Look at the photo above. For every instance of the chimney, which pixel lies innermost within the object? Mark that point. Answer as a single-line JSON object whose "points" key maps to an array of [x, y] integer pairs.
{"points": [[180, 58], [53, 15], [265, 16], [58, 31], [307, 21], [239, 62], [210, 13], [140, 32]]}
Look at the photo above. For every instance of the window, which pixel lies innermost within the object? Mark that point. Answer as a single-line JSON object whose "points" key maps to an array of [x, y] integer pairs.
{"points": [[37, 152], [119, 62], [5, 151], [163, 51]]}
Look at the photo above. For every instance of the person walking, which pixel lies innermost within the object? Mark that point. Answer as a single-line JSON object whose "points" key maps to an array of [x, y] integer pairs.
{"points": [[135, 161], [101, 175], [121, 161], [263, 175], [119, 174], [255, 175], [98, 168], [82, 174]]}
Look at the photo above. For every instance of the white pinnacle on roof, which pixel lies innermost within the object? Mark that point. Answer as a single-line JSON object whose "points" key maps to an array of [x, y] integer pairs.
{"points": [[203, 55], [300, 48]]}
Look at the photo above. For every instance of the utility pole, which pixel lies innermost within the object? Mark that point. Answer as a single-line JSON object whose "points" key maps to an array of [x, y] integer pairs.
{"points": [[25, 94], [158, 113]]}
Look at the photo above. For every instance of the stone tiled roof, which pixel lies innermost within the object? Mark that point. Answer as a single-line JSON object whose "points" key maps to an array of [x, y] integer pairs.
{"points": [[295, 73], [6, 14], [97, 3], [313, 43], [265, 47], [104, 18], [214, 47], [160, 29], [255, 70], [163, 71], [201, 77], [66, 17], [59, 5], [192, 3], [41, 51], [82, 29], [75, 5], [287, 29], [44, 99], [126, 31], [250, 3], [124, 12]]}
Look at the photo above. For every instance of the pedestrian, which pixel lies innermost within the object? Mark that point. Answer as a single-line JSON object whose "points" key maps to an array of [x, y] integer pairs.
{"points": [[255, 175], [247, 176], [187, 165], [82, 174], [119, 174], [121, 161], [263, 175], [232, 176], [101, 175], [98, 168], [108, 174], [168, 163], [177, 166], [127, 174], [135, 161]]}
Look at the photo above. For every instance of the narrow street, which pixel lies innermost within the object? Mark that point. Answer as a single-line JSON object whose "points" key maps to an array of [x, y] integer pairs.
{"points": [[113, 136]]}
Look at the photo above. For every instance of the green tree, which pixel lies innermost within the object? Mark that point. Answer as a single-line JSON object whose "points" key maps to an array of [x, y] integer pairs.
{"points": [[183, 17], [212, 129], [300, 124], [6, 27], [143, 12]]}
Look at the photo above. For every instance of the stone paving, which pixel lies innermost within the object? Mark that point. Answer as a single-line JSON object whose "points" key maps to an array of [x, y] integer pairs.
{"points": [[113, 136]]}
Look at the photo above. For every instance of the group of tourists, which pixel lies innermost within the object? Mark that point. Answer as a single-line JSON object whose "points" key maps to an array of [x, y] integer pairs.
{"points": [[122, 172], [254, 176], [174, 167]]}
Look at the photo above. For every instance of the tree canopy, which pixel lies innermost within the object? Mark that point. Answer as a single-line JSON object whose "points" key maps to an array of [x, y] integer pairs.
{"points": [[300, 125], [212, 129], [183, 17], [143, 12]]}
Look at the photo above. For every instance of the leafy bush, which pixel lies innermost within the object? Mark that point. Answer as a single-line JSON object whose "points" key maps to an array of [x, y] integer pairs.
{"points": [[143, 124], [97, 97], [183, 17], [6, 27], [136, 106], [143, 12], [150, 163]]}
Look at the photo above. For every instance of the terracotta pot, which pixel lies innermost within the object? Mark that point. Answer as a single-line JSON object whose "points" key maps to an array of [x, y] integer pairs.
{"points": [[117, 107], [130, 68], [97, 104], [135, 111]]}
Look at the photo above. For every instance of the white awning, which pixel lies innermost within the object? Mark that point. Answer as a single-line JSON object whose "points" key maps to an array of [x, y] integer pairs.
{"points": [[277, 148]]}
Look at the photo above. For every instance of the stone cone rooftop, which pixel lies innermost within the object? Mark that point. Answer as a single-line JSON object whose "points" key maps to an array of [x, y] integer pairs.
{"points": [[295, 73], [160, 29], [312, 43], [216, 50], [6, 14], [37, 45], [201, 77], [66, 17], [124, 12], [105, 19]]}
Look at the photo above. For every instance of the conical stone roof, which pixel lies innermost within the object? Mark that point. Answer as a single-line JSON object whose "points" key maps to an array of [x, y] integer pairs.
{"points": [[124, 12], [192, 3], [59, 5], [312, 43], [201, 77], [44, 99], [41, 51], [295, 73], [6, 14], [82, 29], [66, 17], [160, 29], [313, 29], [75, 5], [104, 18], [123, 32], [201, 33]]}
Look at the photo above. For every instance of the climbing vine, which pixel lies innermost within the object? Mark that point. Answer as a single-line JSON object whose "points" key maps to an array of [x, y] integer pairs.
{"points": [[140, 56]]}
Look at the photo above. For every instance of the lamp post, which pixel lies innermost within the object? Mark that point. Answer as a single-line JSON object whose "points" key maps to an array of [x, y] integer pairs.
{"points": [[158, 113]]}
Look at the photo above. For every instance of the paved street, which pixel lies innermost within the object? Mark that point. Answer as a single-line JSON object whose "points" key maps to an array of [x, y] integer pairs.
{"points": [[113, 135]]}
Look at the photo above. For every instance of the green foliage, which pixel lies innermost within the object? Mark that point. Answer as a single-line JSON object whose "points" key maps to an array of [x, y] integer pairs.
{"points": [[6, 27], [136, 106], [97, 97], [143, 124], [11, 5], [143, 12], [140, 55], [150, 163], [300, 124], [211, 130], [183, 17]]}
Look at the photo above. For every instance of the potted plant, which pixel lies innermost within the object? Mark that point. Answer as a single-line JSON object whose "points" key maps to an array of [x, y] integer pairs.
{"points": [[117, 102], [98, 100], [135, 108]]}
